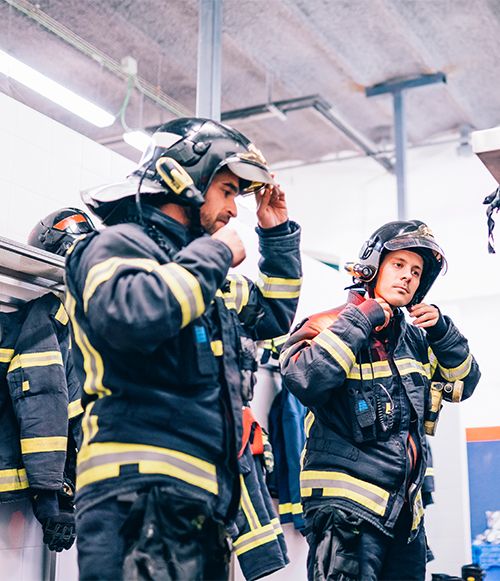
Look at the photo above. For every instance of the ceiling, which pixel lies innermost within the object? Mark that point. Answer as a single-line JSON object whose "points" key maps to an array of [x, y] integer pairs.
{"points": [[272, 50]]}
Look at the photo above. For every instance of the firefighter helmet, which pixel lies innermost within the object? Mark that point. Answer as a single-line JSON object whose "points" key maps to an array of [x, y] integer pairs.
{"points": [[411, 235], [57, 231], [181, 161]]}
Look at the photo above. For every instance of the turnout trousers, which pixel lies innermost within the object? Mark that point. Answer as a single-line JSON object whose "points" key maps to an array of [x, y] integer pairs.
{"points": [[343, 547], [156, 536]]}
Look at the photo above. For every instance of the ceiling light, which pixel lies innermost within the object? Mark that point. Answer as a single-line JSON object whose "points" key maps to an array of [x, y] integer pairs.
{"points": [[138, 139], [48, 88]]}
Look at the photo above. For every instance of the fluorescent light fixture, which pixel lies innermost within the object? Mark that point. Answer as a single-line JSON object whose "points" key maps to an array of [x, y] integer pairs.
{"points": [[138, 139], [48, 88]]}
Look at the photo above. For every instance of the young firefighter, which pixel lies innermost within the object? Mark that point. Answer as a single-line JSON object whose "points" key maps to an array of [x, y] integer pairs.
{"points": [[365, 373], [158, 334]]}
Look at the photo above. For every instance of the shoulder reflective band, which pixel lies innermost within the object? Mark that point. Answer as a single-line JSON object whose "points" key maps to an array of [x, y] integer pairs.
{"points": [[100, 461], [340, 352], [273, 287], [13, 479], [339, 484]]}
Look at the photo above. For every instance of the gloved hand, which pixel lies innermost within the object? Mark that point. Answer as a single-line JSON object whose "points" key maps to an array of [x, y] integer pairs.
{"points": [[55, 512]]}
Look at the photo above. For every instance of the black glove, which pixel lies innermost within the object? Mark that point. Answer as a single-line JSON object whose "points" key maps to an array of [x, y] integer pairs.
{"points": [[55, 512]]}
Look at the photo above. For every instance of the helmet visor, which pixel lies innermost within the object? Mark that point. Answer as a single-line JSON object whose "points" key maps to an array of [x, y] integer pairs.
{"points": [[409, 242], [255, 174], [75, 224]]}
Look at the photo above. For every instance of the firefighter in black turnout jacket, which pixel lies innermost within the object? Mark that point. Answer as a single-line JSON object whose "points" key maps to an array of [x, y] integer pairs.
{"points": [[159, 350], [39, 396], [367, 376]]}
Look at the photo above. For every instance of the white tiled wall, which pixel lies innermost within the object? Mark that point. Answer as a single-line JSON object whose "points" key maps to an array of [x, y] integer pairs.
{"points": [[43, 167]]}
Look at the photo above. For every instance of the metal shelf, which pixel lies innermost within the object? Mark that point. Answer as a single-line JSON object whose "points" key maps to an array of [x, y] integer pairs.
{"points": [[486, 145], [27, 273]]}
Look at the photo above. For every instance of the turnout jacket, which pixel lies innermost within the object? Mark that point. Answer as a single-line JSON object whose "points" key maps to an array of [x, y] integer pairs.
{"points": [[39, 393], [365, 448], [157, 325]]}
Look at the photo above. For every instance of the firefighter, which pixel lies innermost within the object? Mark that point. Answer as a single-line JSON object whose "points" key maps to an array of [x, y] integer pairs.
{"points": [[39, 396], [365, 372], [157, 329]]}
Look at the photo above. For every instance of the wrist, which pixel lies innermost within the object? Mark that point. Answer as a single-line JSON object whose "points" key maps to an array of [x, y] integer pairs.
{"points": [[373, 311]]}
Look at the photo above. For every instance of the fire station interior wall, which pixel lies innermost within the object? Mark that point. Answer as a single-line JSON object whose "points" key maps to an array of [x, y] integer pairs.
{"points": [[44, 165]]}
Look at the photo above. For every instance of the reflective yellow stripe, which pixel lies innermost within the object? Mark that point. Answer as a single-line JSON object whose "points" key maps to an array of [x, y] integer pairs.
{"points": [[75, 408], [429, 471], [341, 352], [238, 294], [277, 526], [247, 506], [380, 369], [6, 355], [62, 315], [308, 422], [217, 348], [40, 359], [103, 271], [290, 508], [457, 373], [89, 425], [285, 353], [254, 538], [418, 511], [343, 485], [26, 385], [273, 287], [100, 461], [432, 362], [186, 290], [47, 444], [13, 479], [93, 364]]}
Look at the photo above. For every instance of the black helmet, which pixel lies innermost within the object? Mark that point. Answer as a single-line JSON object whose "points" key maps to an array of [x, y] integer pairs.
{"points": [[182, 159], [411, 235], [57, 231]]}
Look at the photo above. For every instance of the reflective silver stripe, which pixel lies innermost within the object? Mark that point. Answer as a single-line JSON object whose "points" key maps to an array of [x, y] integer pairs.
{"points": [[247, 506], [279, 288], [254, 539], [339, 484], [459, 372], [238, 294], [341, 352], [13, 479]]}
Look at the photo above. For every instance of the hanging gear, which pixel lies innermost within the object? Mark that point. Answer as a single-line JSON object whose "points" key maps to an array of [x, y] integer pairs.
{"points": [[493, 201], [411, 235], [57, 231], [180, 163]]}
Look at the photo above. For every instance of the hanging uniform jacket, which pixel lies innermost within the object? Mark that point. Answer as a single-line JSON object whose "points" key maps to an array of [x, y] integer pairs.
{"points": [[258, 540], [286, 431], [368, 400], [37, 382], [159, 354]]}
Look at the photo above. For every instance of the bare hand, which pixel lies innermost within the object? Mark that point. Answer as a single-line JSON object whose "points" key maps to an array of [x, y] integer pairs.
{"points": [[423, 315], [387, 312], [271, 206], [232, 240]]}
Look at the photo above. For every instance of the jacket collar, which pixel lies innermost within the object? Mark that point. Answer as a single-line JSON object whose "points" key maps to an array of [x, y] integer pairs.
{"points": [[176, 232]]}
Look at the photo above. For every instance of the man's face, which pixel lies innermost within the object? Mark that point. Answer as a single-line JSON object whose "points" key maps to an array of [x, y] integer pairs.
{"points": [[399, 277], [220, 201]]}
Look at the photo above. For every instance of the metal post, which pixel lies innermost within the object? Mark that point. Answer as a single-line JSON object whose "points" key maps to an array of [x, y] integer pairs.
{"points": [[208, 88], [396, 89], [400, 143]]}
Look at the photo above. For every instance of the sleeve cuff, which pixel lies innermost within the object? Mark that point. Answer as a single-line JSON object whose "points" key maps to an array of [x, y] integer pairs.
{"points": [[439, 330], [373, 312], [279, 230]]}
